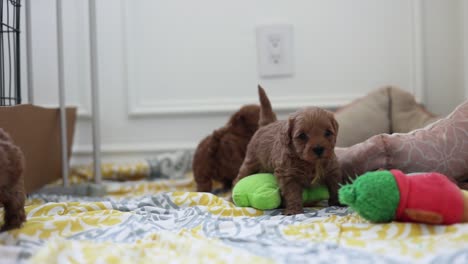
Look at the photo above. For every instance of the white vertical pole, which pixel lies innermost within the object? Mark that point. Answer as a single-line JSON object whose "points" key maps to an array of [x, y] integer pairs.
{"points": [[95, 91], [464, 15], [61, 83], [29, 52], [418, 77]]}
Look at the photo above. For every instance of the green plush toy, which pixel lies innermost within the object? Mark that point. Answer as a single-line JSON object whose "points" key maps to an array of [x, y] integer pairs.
{"points": [[374, 195], [261, 191], [391, 195]]}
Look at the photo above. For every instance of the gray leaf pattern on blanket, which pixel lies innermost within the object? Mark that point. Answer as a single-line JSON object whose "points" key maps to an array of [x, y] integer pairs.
{"points": [[173, 165], [261, 235]]}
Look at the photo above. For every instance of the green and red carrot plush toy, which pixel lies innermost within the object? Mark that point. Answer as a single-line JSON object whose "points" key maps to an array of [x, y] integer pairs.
{"points": [[378, 196], [384, 196]]}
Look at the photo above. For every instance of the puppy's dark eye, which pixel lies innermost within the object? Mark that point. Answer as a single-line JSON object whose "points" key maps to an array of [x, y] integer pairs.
{"points": [[303, 136], [328, 133]]}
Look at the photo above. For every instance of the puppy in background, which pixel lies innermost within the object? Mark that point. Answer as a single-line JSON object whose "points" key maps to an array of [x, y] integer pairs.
{"points": [[12, 194], [219, 155], [298, 151]]}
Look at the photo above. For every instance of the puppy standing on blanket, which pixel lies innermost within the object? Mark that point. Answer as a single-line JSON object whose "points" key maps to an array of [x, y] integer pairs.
{"points": [[12, 194], [219, 155], [299, 151]]}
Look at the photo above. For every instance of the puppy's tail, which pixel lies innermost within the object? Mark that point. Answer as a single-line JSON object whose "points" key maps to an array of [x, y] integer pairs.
{"points": [[267, 115]]}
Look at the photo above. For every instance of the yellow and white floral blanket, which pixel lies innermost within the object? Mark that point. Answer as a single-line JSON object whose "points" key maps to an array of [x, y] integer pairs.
{"points": [[162, 221]]}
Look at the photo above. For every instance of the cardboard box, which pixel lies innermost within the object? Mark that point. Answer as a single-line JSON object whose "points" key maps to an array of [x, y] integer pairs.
{"points": [[36, 130]]}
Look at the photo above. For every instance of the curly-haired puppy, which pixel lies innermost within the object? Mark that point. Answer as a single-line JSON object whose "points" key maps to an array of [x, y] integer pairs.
{"points": [[12, 194], [219, 155], [299, 151]]}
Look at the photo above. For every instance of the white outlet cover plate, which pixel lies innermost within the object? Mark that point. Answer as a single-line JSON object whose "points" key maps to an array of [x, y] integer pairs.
{"points": [[275, 50]]}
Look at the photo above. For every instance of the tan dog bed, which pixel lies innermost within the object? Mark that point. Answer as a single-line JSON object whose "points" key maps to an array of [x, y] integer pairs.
{"points": [[386, 110]]}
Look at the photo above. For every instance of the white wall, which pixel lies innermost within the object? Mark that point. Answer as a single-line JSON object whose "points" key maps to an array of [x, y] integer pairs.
{"points": [[171, 71], [443, 54]]}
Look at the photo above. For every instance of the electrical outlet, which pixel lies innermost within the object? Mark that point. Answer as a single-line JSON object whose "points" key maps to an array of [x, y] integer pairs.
{"points": [[274, 48]]}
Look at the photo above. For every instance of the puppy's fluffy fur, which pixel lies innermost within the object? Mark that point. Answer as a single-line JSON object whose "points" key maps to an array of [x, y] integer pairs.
{"points": [[12, 194], [219, 155], [299, 151]]}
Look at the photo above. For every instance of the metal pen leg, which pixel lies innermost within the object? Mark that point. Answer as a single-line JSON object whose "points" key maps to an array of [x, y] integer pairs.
{"points": [[61, 84], [95, 91], [29, 52], [96, 189]]}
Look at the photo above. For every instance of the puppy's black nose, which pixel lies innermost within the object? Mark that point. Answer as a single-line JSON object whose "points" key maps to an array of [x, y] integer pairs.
{"points": [[318, 150]]}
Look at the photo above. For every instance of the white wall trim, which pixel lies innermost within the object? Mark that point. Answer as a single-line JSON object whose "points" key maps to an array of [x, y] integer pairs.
{"points": [[126, 152], [417, 59], [83, 111], [124, 148], [137, 108], [224, 105], [132, 99]]}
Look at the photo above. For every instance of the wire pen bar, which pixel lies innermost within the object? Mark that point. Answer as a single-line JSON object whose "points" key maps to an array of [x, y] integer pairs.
{"points": [[10, 63]]}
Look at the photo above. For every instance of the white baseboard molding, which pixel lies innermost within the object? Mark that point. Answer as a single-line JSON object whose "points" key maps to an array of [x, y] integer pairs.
{"points": [[82, 154], [222, 105]]}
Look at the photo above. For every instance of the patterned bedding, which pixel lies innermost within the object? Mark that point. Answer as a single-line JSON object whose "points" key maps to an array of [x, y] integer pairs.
{"points": [[144, 220]]}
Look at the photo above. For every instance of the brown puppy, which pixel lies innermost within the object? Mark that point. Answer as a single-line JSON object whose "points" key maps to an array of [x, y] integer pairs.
{"points": [[12, 194], [219, 156], [299, 151]]}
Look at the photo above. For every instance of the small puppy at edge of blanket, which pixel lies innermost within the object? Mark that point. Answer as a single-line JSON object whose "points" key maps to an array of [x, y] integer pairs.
{"points": [[12, 194], [299, 151], [219, 155]]}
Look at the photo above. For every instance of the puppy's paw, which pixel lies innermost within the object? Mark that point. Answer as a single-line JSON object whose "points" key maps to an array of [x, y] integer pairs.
{"points": [[204, 186], [13, 221], [293, 211], [11, 225], [7, 227], [220, 191], [335, 202]]}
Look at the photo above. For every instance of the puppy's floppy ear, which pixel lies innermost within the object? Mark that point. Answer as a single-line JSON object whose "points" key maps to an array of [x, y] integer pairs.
{"points": [[287, 130], [243, 122], [335, 126], [238, 119], [334, 123]]}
